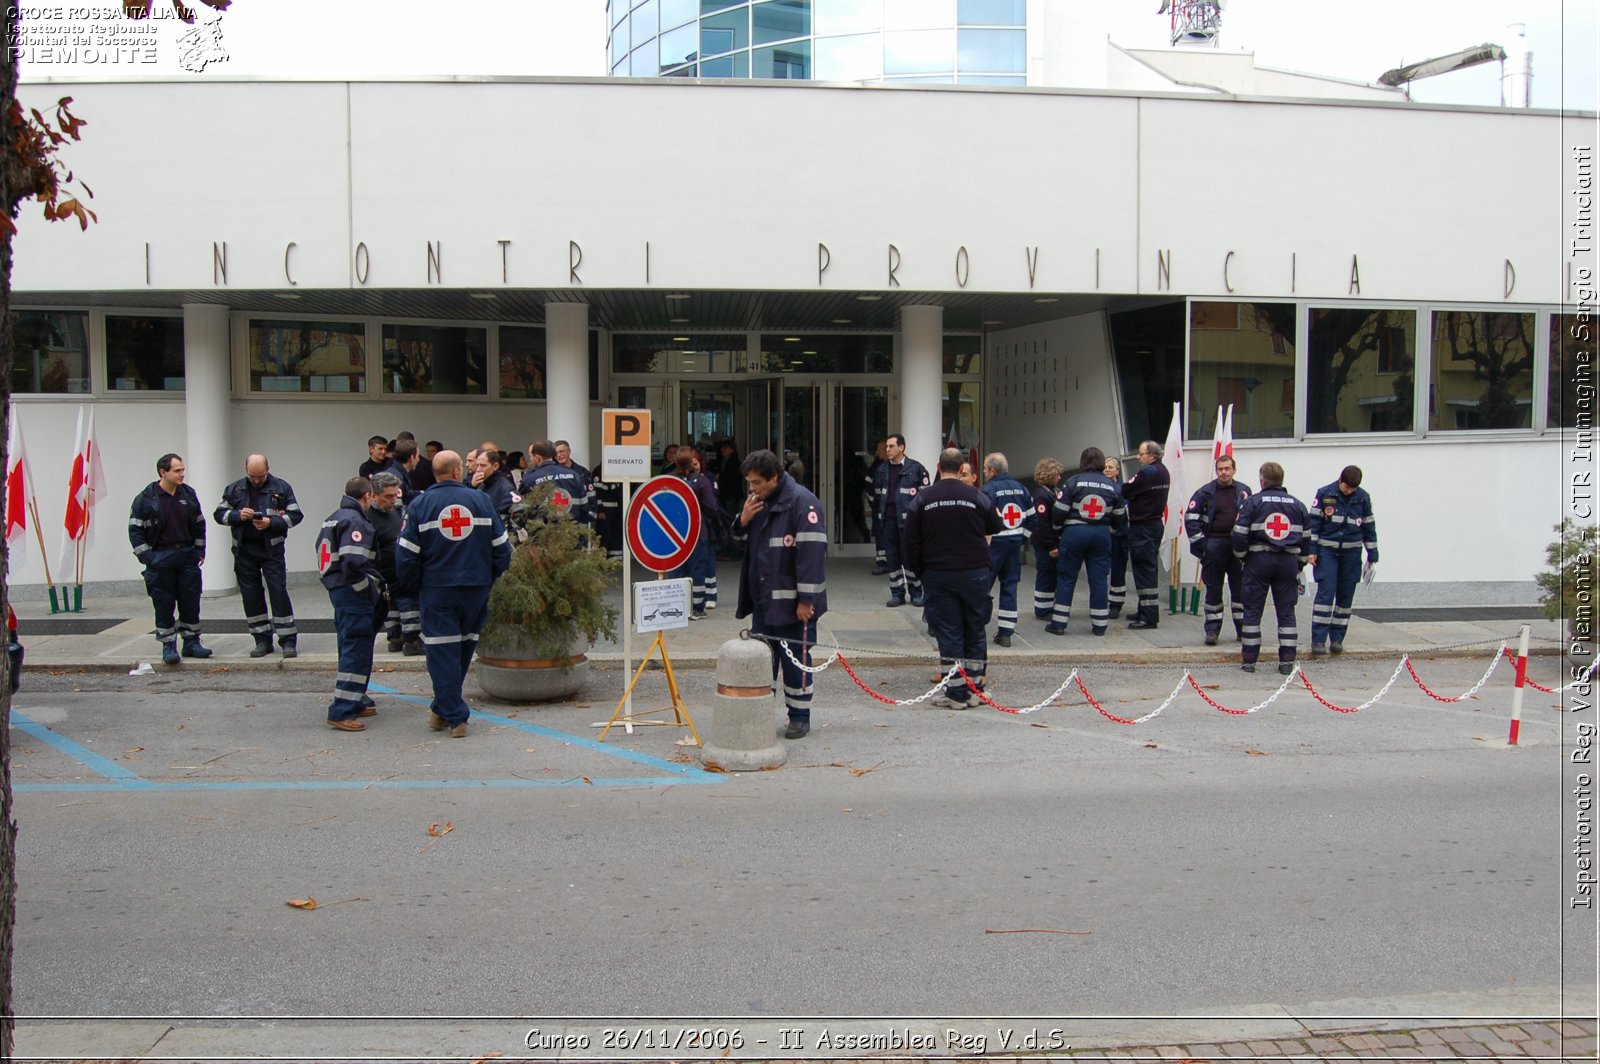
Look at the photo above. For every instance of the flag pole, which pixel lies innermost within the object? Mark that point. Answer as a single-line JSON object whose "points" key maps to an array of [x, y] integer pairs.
{"points": [[44, 556]]}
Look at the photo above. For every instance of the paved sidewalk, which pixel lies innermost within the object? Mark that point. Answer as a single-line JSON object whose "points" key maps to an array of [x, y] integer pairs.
{"points": [[117, 631], [1552, 1040]]}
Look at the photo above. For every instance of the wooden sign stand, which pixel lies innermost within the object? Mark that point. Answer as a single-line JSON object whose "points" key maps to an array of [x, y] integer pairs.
{"points": [[680, 712]]}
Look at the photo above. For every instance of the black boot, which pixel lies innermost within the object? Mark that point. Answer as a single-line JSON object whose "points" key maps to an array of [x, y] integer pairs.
{"points": [[193, 649], [263, 646], [291, 648]]}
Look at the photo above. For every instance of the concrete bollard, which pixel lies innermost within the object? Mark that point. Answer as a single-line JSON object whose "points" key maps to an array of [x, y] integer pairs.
{"points": [[743, 735]]}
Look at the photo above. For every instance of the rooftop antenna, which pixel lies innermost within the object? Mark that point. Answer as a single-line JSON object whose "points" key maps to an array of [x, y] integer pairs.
{"points": [[1194, 22]]}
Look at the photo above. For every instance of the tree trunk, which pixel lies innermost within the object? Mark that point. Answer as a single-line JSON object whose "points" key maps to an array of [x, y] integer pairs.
{"points": [[8, 826]]}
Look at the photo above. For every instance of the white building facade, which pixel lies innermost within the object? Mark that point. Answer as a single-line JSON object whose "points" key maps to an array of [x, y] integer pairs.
{"points": [[293, 267]]}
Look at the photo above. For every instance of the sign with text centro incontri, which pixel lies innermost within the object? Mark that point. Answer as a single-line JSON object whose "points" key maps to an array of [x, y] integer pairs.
{"points": [[663, 524], [624, 444]]}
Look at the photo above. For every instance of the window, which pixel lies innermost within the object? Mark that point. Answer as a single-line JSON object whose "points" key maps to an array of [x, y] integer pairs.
{"points": [[1361, 370], [992, 51], [826, 353], [1241, 353], [642, 63], [961, 414], [433, 360], [1572, 371], [666, 353], [919, 52], [619, 43], [1482, 370], [307, 356], [854, 58], [779, 20], [847, 16], [963, 353], [992, 12], [522, 363], [644, 22], [677, 12], [728, 66], [1148, 344], [792, 61], [52, 351], [726, 32], [144, 354], [678, 46], [914, 15]]}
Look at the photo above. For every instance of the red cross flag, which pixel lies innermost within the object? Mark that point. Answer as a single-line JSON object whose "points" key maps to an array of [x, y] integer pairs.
{"points": [[1011, 514], [19, 493], [455, 522], [85, 480], [1177, 491]]}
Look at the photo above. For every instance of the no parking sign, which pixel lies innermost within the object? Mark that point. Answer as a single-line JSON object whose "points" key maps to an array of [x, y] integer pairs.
{"points": [[663, 524]]}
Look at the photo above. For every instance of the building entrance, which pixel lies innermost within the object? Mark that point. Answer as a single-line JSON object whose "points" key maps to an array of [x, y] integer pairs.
{"points": [[824, 430]]}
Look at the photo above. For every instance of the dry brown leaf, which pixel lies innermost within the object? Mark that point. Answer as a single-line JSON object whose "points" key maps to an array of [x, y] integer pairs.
{"points": [[1211, 686], [864, 771], [386, 668], [847, 810], [1479, 739], [1038, 724], [1258, 753], [437, 832], [216, 670], [880, 725], [587, 780], [1151, 745], [582, 705], [303, 903]]}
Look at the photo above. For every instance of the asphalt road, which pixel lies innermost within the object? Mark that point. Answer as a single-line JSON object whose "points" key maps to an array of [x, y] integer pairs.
{"points": [[1216, 861]]}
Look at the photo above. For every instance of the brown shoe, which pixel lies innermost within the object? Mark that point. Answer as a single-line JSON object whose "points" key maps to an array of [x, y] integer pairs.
{"points": [[367, 711], [459, 731], [347, 725], [436, 722]]}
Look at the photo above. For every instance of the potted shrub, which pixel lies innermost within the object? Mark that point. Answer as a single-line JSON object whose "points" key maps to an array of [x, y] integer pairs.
{"points": [[547, 609]]}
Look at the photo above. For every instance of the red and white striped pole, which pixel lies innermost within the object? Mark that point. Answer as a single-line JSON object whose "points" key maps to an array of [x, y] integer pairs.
{"points": [[1522, 679]]}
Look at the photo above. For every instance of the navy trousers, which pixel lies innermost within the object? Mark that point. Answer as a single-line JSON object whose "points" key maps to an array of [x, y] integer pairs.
{"points": [[894, 555], [796, 681], [452, 621], [263, 579], [1278, 573], [1044, 583], [172, 577], [958, 611], [1117, 587], [404, 621], [1005, 560], [701, 569], [1088, 546], [1216, 565], [352, 620], [1337, 573], [1144, 550]]}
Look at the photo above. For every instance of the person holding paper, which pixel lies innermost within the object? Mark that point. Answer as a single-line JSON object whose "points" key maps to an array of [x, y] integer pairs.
{"points": [[1341, 525]]}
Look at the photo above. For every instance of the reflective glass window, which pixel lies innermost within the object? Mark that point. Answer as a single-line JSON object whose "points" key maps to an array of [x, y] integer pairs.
{"points": [[1482, 370], [144, 354], [1242, 353], [915, 15], [1361, 370], [994, 79], [676, 353], [924, 79], [919, 52], [434, 360], [728, 66], [51, 353], [826, 353], [677, 12], [846, 16], [995, 51], [619, 42], [644, 22], [992, 12], [679, 45], [792, 60], [708, 6], [642, 63], [1572, 370], [689, 71], [961, 416], [779, 20], [618, 10], [1148, 346], [858, 57], [522, 362], [307, 356], [725, 32], [963, 353]]}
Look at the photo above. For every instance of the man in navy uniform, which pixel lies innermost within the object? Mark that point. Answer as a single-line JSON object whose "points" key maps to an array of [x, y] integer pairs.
{"points": [[452, 549], [946, 545], [168, 531], [260, 509], [572, 486], [1208, 522], [1088, 506], [1270, 537], [1014, 506], [783, 587], [347, 563], [898, 481], [1341, 525], [1146, 496], [403, 625]]}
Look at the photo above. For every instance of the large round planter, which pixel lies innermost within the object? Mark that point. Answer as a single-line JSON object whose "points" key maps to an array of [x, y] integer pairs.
{"points": [[532, 680]]}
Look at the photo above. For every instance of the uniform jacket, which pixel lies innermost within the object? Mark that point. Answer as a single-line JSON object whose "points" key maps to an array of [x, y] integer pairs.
{"points": [[386, 528], [1089, 498], [705, 492], [784, 565], [1146, 494], [1004, 489], [947, 529], [347, 551], [913, 478], [498, 489], [277, 502], [571, 481], [432, 555], [1202, 508], [1343, 522], [1043, 534], [408, 490], [145, 519], [1274, 520]]}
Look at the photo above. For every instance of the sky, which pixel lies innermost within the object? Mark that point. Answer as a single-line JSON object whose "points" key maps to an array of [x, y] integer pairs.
{"points": [[1355, 39]]}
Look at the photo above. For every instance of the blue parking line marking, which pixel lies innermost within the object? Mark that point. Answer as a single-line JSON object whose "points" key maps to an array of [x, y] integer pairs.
{"points": [[688, 771], [144, 786], [84, 756]]}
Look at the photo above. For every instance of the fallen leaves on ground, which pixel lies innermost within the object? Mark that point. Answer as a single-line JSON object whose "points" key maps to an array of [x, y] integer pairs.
{"points": [[302, 903], [1038, 724], [133, 754], [1151, 745], [864, 771], [216, 669], [1258, 753], [435, 831]]}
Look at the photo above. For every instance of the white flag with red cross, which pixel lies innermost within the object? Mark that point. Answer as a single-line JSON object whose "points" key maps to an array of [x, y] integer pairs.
{"points": [[85, 481], [19, 489], [1178, 492], [1222, 438]]}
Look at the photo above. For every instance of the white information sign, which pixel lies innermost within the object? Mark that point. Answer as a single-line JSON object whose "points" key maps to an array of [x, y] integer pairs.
{"points": [[661, 605], [624, 444]]}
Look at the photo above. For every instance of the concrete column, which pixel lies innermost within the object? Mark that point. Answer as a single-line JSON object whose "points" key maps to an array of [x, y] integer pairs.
{"points": [[207, 452], [921, 394], [566, 377]]}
